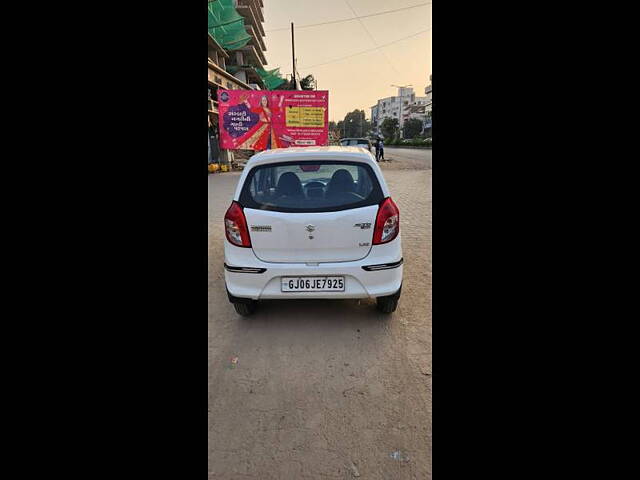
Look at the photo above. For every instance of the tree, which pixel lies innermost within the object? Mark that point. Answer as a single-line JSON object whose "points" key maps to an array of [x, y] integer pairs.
{"points": [[334, 133], [354, 125], [389, 128], [412, 128], [306, 83], [366, 128]]}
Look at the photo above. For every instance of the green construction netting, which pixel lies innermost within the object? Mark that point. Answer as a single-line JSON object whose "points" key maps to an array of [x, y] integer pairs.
{"points": [[226, 25], [233, 68], [271, 78]]}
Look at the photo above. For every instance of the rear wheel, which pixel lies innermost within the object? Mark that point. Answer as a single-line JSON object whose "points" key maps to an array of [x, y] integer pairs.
{"points": [[245, 309], [387, 304]]}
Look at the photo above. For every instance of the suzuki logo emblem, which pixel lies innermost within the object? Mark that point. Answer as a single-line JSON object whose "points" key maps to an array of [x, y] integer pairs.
{"points": [[310, 228]]}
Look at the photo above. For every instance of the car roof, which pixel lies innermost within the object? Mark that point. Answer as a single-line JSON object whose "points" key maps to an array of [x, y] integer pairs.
{"points": [[351, 154]]}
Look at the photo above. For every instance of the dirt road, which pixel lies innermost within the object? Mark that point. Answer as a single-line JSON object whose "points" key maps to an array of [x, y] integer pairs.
{"points": [[324, 389]]}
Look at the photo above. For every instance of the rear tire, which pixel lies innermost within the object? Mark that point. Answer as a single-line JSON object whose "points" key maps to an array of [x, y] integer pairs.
{"points": [[245, 309], [387, 304]]}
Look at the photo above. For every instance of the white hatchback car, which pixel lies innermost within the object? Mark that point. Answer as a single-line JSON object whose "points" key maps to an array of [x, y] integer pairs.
{"points": [[312, 222]]}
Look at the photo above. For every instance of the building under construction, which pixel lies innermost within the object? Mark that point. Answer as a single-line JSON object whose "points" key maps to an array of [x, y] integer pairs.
{"points": [[236, 59]]}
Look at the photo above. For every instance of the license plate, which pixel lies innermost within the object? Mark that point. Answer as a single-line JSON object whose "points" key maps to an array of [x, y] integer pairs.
{"points": [[313, 284]]}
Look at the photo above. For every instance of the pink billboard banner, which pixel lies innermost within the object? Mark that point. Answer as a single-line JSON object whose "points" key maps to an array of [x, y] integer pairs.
{"points": [[267, 119]]}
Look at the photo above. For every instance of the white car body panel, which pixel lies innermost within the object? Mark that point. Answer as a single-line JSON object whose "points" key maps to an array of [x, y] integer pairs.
{"points": [[289, 240], [359, 283], [337, 249]]}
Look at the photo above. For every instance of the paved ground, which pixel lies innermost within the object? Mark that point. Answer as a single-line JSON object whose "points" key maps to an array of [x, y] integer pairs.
{"points": [[408, 158], [325, 389]]}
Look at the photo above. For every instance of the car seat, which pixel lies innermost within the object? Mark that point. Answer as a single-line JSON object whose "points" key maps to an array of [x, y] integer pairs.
{"points": [[289, 186]]}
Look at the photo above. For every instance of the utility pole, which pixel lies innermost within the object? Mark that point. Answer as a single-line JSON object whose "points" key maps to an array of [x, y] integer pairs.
{"points": [[293, 59]]}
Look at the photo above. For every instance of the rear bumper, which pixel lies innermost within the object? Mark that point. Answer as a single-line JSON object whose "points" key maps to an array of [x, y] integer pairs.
{"points": [[359, 282]]}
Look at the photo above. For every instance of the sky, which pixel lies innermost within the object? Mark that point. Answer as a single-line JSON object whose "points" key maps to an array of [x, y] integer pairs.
{"points": [[359, 81]]}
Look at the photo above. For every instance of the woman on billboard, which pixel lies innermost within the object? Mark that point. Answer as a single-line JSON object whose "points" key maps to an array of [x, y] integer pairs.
{"points": [[264, 138]]}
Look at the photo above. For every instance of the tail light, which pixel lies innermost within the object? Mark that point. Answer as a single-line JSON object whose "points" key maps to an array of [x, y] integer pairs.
{"points": [[387, 222], [235, 225]]}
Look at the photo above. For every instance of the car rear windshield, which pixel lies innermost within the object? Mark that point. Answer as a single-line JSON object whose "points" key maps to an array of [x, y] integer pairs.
{"points": [[311, 186]]}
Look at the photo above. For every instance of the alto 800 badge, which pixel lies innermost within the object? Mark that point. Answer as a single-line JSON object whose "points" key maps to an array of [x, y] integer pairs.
{"points": [[260, 228], [363, 226]]}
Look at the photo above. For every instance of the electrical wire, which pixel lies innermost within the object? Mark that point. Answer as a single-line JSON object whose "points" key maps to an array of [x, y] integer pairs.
{"points": [[355, 15], [349, 19], [366, 51]]}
